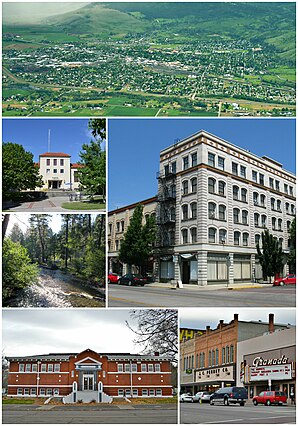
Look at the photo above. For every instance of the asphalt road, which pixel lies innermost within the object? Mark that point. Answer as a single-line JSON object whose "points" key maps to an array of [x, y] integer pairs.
{"points": [[234, 414], [124, 296], [122, 414]]}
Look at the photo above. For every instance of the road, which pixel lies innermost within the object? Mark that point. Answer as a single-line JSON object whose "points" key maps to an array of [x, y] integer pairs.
{"points": [[123, 296], [113, 414], [234, 414]]}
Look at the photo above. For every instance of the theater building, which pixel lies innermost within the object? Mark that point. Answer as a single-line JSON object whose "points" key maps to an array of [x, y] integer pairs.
{"points": [[57, 172], [214, 201], [208, 361], [268, 362], [88, 376]]}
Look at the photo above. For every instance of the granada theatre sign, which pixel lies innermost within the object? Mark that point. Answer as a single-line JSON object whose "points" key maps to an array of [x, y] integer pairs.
{"points": [[260, 362]]}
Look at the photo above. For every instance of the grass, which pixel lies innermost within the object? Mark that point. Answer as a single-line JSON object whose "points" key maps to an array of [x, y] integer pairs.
{"points": [[84, 205], [18, 401], [147, 401]]}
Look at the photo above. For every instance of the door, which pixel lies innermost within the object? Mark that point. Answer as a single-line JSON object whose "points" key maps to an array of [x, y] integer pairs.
{"points": [[185, 271], [54, 184], [88, 382]]}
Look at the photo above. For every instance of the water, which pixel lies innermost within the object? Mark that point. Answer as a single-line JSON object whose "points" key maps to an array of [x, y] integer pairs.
{"points": [[55, 289]]}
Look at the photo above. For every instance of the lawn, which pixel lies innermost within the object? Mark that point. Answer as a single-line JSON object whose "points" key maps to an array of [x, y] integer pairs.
{"points": [[18, 401], [84, 205]]}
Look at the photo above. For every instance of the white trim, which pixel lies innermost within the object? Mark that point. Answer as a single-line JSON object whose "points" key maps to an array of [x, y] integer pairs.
{"points": [[40, 386], [138, 386], [88, 357], [140, 372], [40, 372]]}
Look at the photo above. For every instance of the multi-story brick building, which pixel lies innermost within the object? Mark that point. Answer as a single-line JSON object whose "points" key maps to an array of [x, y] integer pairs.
{"points": [[58, 172], [90, 376], [214, 201], [209, 360], [118, 222]]}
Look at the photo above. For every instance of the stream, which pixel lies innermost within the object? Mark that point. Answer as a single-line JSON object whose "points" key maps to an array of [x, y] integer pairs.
{"points": [[56, 289]]}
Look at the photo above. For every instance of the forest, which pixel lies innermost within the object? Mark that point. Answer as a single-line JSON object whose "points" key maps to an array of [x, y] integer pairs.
{"points": [[39, 256]]}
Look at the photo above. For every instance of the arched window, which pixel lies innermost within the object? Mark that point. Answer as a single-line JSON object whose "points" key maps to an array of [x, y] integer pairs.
{"points": [[221, 212], [173, 191], [221, 187], [235, 192], [209, 359], [211, 185], [287, 207], [236, 215], [257, 219], [184, 212], [245, 238], [257, 239], [273, 222], [172, 213], [211, 210], [223, 356], [185, 187], [216, 357], [222, 235], [193, 235], [243, 195], [193, 183], [227, 354], [262, 200], [232, 353], [278, 205], [263, 220], [255, 197], [288, 225], [213, 357], [245, 217], [236, 238], [272, 203], [184, 233], [211, 235], [193, 209], [279, 224]]}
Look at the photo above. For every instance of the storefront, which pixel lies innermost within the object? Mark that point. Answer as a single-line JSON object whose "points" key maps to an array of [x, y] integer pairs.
{"points": [[212, 379]]}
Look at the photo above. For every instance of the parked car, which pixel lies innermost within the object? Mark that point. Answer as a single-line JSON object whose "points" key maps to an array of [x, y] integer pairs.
{"points": [[270, 397], [229, 395], [113, 278], [186, 397], [132, 279], [201, 397], [289, 279]]}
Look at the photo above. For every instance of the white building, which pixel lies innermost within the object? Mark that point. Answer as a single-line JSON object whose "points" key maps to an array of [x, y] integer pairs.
{"points": [[214, 201], [58, 172]]}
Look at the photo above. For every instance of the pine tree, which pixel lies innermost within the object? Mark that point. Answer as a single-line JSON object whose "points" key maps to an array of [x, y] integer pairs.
{"points": [[271, 256]]}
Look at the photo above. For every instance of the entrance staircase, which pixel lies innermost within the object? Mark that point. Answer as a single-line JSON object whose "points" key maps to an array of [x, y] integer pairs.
{"points": [[86, 397]]}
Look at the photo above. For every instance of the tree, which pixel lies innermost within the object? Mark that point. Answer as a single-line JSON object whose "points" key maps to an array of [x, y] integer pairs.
{"points": [[137, 244], [156, 331], [16, 234], [271, 256], [18, 271], [92, 175], [292, 244], [18, 169]]}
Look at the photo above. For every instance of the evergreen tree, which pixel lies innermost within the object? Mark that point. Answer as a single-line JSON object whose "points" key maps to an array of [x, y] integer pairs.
{"points": [[270, 256], [16, 234], [292, 244]]}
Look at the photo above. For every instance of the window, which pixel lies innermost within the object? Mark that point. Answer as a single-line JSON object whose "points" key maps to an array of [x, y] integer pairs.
{"points": [[48, 162], [61, 171], [222, 236], [221, 163], [26, 391], [236, 238], [117, 244], [184, 236], [255, 197], [277, 185], [120, 368], [127, 392], [20, 391], [194, 159], [280, 224], [211, 210], [33, 392], [150, 368], [42, 391], [271, 182], [120, 392], [48, 171], [254, 176], [21, 368], [262, 199], [57, 368], [256, 219], [185, 187], [193, 184], [221, 187], [232, 353], [287, 207], [222, 212], [291, 190], [236, 214], [211, 185], [235, 192], [28, 368], [223, 356], [173, 167], [273, 221], [122, 225], [234, 168], [76, 176], [49, 391], [50, 368], [56, 391], [263, 221], [172, 238], [278, 205], [167, 169], [61, 162], [34, 368], [55, 171], [257, 239], [43, 368], [55, 161], [144, 392], [193, 235], [135, 393], [243, 171], [245, 238], [143, 368], [292, 209], [280, 242], [193, 209], [173, 191], [157, 368], [211, 159], [158, 392], [286, 188], [216, 357], [245, 217], [134, 368], [211, 235], [243, 195], [261, 179], [184, 212], [127, 368], [185, 163], [272, 203], [151, 392]]}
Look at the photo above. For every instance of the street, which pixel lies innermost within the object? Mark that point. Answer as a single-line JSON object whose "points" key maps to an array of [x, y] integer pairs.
{"points": [[123, 296], [208, 414], [111, 414]]}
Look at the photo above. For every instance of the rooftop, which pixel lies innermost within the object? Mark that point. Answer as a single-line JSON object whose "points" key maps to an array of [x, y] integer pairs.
{"points": [[54, 154]]}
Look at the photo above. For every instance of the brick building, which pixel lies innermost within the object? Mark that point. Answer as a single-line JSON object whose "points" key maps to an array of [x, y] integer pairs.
{"points": [[209, 360], [90, 376]]}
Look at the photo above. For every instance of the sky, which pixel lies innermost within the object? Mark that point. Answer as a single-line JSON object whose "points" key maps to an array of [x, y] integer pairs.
{"points": [[135, 144], [199, 318], [66, 135], [40, 331]]}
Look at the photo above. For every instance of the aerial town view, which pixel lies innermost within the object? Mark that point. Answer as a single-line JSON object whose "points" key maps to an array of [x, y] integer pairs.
{"points": [[144, 59]]}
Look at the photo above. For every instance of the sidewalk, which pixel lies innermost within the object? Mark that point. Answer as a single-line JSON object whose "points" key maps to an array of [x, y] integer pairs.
{"points": [[235, 286]]}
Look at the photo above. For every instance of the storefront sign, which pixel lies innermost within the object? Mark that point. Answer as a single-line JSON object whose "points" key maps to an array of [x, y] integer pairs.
{"points": [[259, 361], [215, 374], [275, 372]]}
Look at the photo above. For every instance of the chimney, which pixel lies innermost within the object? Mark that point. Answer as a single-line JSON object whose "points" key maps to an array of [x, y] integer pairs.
{"points": [[207, 329], [236, 318], [271, 323], [221, 322]]}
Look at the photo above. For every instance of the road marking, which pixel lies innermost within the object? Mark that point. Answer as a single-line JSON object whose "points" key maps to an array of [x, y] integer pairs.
{"points": [[132, 301], [244, 420]]}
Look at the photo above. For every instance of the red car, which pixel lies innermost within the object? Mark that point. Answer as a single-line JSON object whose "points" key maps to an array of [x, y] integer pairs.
{"points": [[289, 279], [270, 397], [113, 278]]}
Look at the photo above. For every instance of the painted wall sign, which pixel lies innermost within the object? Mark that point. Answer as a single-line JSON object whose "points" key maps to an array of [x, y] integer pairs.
{"points": [[215, 374]]}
